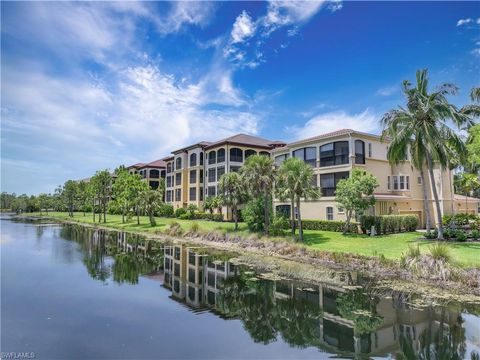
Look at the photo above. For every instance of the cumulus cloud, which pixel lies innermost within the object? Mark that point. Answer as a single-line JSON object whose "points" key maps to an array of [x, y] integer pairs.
{"points": [[331, 121], [464, 21], [243, 28], [388, 90]]}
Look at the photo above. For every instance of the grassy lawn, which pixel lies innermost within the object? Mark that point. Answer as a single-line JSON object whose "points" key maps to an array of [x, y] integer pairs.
{"points": [[392, 246]]}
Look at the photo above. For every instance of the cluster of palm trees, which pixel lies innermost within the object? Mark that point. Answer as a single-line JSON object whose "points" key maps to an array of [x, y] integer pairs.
{"points": [[422, 129]]}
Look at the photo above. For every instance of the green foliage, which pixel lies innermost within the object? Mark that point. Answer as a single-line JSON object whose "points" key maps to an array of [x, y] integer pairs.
{"points": [[461, 235], [387, 224], [165, 210], [232, 193], [180, 211], [413, 251], [329, 225], [361, 309], [355, 194], [473, 146], [150, 201], [69, 195], [114, 208], [194, 227], [279, 225], [440, 251], [431, 234], [208, 216], [475, 234], [191, 210], [460, 219], [253, 214]]}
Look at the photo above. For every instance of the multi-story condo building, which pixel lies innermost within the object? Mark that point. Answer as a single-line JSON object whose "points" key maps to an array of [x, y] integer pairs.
{"points": [[334, 155], [151, 172], [193, 172]]}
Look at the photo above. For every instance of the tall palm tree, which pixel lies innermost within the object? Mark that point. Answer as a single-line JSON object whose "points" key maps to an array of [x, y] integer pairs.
{"points": [[295, 181], [467, 183], [424, 123], [258, 174], [231, 193]]}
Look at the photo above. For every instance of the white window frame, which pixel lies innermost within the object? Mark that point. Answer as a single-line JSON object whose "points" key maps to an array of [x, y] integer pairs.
{"points": [[328, 213]]}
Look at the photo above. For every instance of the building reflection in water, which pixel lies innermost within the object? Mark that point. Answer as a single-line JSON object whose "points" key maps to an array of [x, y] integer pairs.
{"points": [[346, 315]]}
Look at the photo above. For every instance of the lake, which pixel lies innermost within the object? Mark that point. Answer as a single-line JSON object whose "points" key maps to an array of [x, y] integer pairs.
{"points": [[69, 291]]}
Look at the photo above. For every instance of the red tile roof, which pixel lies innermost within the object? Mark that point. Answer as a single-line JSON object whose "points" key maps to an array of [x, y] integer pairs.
{"points": [[155, 164], [249, 140]]}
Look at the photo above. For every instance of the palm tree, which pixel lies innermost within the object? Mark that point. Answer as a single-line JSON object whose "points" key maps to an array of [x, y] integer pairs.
{"points": [[258, 174], [295, 182], [150, 201], [424, 125], [231, 193]]}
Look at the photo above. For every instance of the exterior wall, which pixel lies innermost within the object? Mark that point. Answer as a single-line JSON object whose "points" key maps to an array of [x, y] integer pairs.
{"points": [[389, 200]]}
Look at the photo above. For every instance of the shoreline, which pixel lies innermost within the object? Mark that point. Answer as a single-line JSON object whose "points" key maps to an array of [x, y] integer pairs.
{"points": [[288, 259]]}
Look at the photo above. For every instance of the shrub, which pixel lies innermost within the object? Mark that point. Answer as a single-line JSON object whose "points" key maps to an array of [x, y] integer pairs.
{"points": [[475, 234], [165, 210], [461, 235], [328, 225], [410, 222], [449, 233], [440, 251], [208, 216], [413, 251], [185, 216], [253, 214], [431, 234], [174, 229], [180, 211], [192, 209], [278, 226], [460, 219]]}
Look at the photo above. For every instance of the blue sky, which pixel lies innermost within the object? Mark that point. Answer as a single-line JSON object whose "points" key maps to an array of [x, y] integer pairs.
{"points": [[87, 86]]}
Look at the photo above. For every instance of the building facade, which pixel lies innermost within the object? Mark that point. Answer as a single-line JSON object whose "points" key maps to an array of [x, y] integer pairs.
{"points": [[193, 172], [334, 155], [151, 172]]}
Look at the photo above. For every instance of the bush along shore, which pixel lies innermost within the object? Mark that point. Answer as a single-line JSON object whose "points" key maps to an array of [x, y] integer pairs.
{"points": [[431, 268]]}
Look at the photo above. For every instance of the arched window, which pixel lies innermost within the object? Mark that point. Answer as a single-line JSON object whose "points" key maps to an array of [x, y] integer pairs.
{"points": [[264, 153], [359, 152], [236, 154], [212, 157], [201, 158], [220, 155], [193, 159], [335, 153], [169, 168], [154, 174], [178, 163], [307, 154], [249, 153]]}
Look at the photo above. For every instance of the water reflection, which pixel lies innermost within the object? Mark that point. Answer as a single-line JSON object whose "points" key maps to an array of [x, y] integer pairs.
{"points": [[346, 316]]}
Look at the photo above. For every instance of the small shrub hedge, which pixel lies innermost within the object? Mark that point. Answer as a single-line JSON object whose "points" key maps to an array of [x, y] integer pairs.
{"points": [[460, 219], [180, 211], [279, 226], [208, 216], [388, 224], [165, 210], [328, 225]]}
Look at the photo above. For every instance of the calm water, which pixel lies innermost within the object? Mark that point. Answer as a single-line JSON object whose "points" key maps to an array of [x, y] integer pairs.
{"points": [[71, 292]]}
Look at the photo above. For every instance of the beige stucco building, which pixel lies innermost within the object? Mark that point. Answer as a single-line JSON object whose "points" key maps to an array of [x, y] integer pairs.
{"points": [[150, 172], [334, 155]]}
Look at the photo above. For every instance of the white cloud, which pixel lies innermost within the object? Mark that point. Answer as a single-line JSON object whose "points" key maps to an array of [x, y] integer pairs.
{"points": [[476, 52], [388, 90], [331, 121], [243, 28], [464, 21], [185, 13]]}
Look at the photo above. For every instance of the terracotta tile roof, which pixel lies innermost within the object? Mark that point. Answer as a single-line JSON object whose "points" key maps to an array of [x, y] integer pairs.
{"points": [[244, 139], [201, 144], [136, 166], [155, 164], [328, 135]]}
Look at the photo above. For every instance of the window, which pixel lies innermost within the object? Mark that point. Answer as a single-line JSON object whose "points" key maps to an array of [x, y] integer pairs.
{"points": [[201, 176], [154, 174], [193, 176], [401, 182], [264, 153], [201, 194], [369, 150], [211, 191], [154, 184], [178, 163], [407, 182], [212, 157], [176, 269], [201, 158], [315, 180], [341, 210], [178, 179], [308, 154], [169, 181], [395, 183], [419, 180], [220, 172], [280, 159], [328, 182], [283, 210], [236, 155], [329, 213], [335, 153], [169, 168], [220, 155], [388, 182], [359, 152], [193, 159], [192, 194], [249, 153], [169, 196], [235, 168], [178, 194], [211, 175]]}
